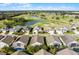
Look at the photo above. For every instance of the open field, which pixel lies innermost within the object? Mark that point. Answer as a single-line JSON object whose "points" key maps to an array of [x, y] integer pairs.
{"points": [[40, 18]]}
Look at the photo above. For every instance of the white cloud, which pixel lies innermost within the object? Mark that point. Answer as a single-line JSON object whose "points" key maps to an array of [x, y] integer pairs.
{"points": [[54, 8], [25, 5], [29, 7]]}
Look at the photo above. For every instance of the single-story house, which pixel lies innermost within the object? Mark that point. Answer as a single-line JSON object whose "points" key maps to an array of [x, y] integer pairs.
{"points": [[21, 42], [4, 30], [68, 40], [73, 27], [27, 31], [53, 40], [47, 29], [37, 40], [12, 30], [7, 41], [51, 32], [23, 30], [35, 32], [61, 30], [37, 29]]}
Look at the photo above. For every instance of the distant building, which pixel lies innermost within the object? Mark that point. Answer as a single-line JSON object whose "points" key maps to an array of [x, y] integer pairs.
{"points": [[51, 32], [61, 30], [35, 32], [74, 26], [12, 30], [37, 29], [72, 15]]}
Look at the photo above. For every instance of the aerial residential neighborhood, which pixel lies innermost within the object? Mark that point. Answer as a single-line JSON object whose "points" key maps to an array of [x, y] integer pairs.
{"points": [[39, 32]]}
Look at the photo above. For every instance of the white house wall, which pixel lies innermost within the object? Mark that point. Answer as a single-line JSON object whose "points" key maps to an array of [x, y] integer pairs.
{"points": [[37, 43], [2, 44], [15, 44]]}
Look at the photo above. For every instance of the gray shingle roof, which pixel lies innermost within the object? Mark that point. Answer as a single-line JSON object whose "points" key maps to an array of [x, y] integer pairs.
{"points": [[67, 39], [52, 39], [66, 52], [42, 52], [37, 38], [1, 36], [9, 39], [24, 39]]}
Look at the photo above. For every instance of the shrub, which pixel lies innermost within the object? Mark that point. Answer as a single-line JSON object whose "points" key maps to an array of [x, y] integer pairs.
{"points": [[52, 49], [57, 18], [32, 49], [69, 32], [71, 20], [78, 28], [7, 50]]}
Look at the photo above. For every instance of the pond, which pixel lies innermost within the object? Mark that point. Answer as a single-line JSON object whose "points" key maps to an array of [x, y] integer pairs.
{"points": [[34, 22]]}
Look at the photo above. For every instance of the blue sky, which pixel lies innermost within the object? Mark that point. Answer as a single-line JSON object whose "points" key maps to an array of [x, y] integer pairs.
{"points": [[39, 6]]}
